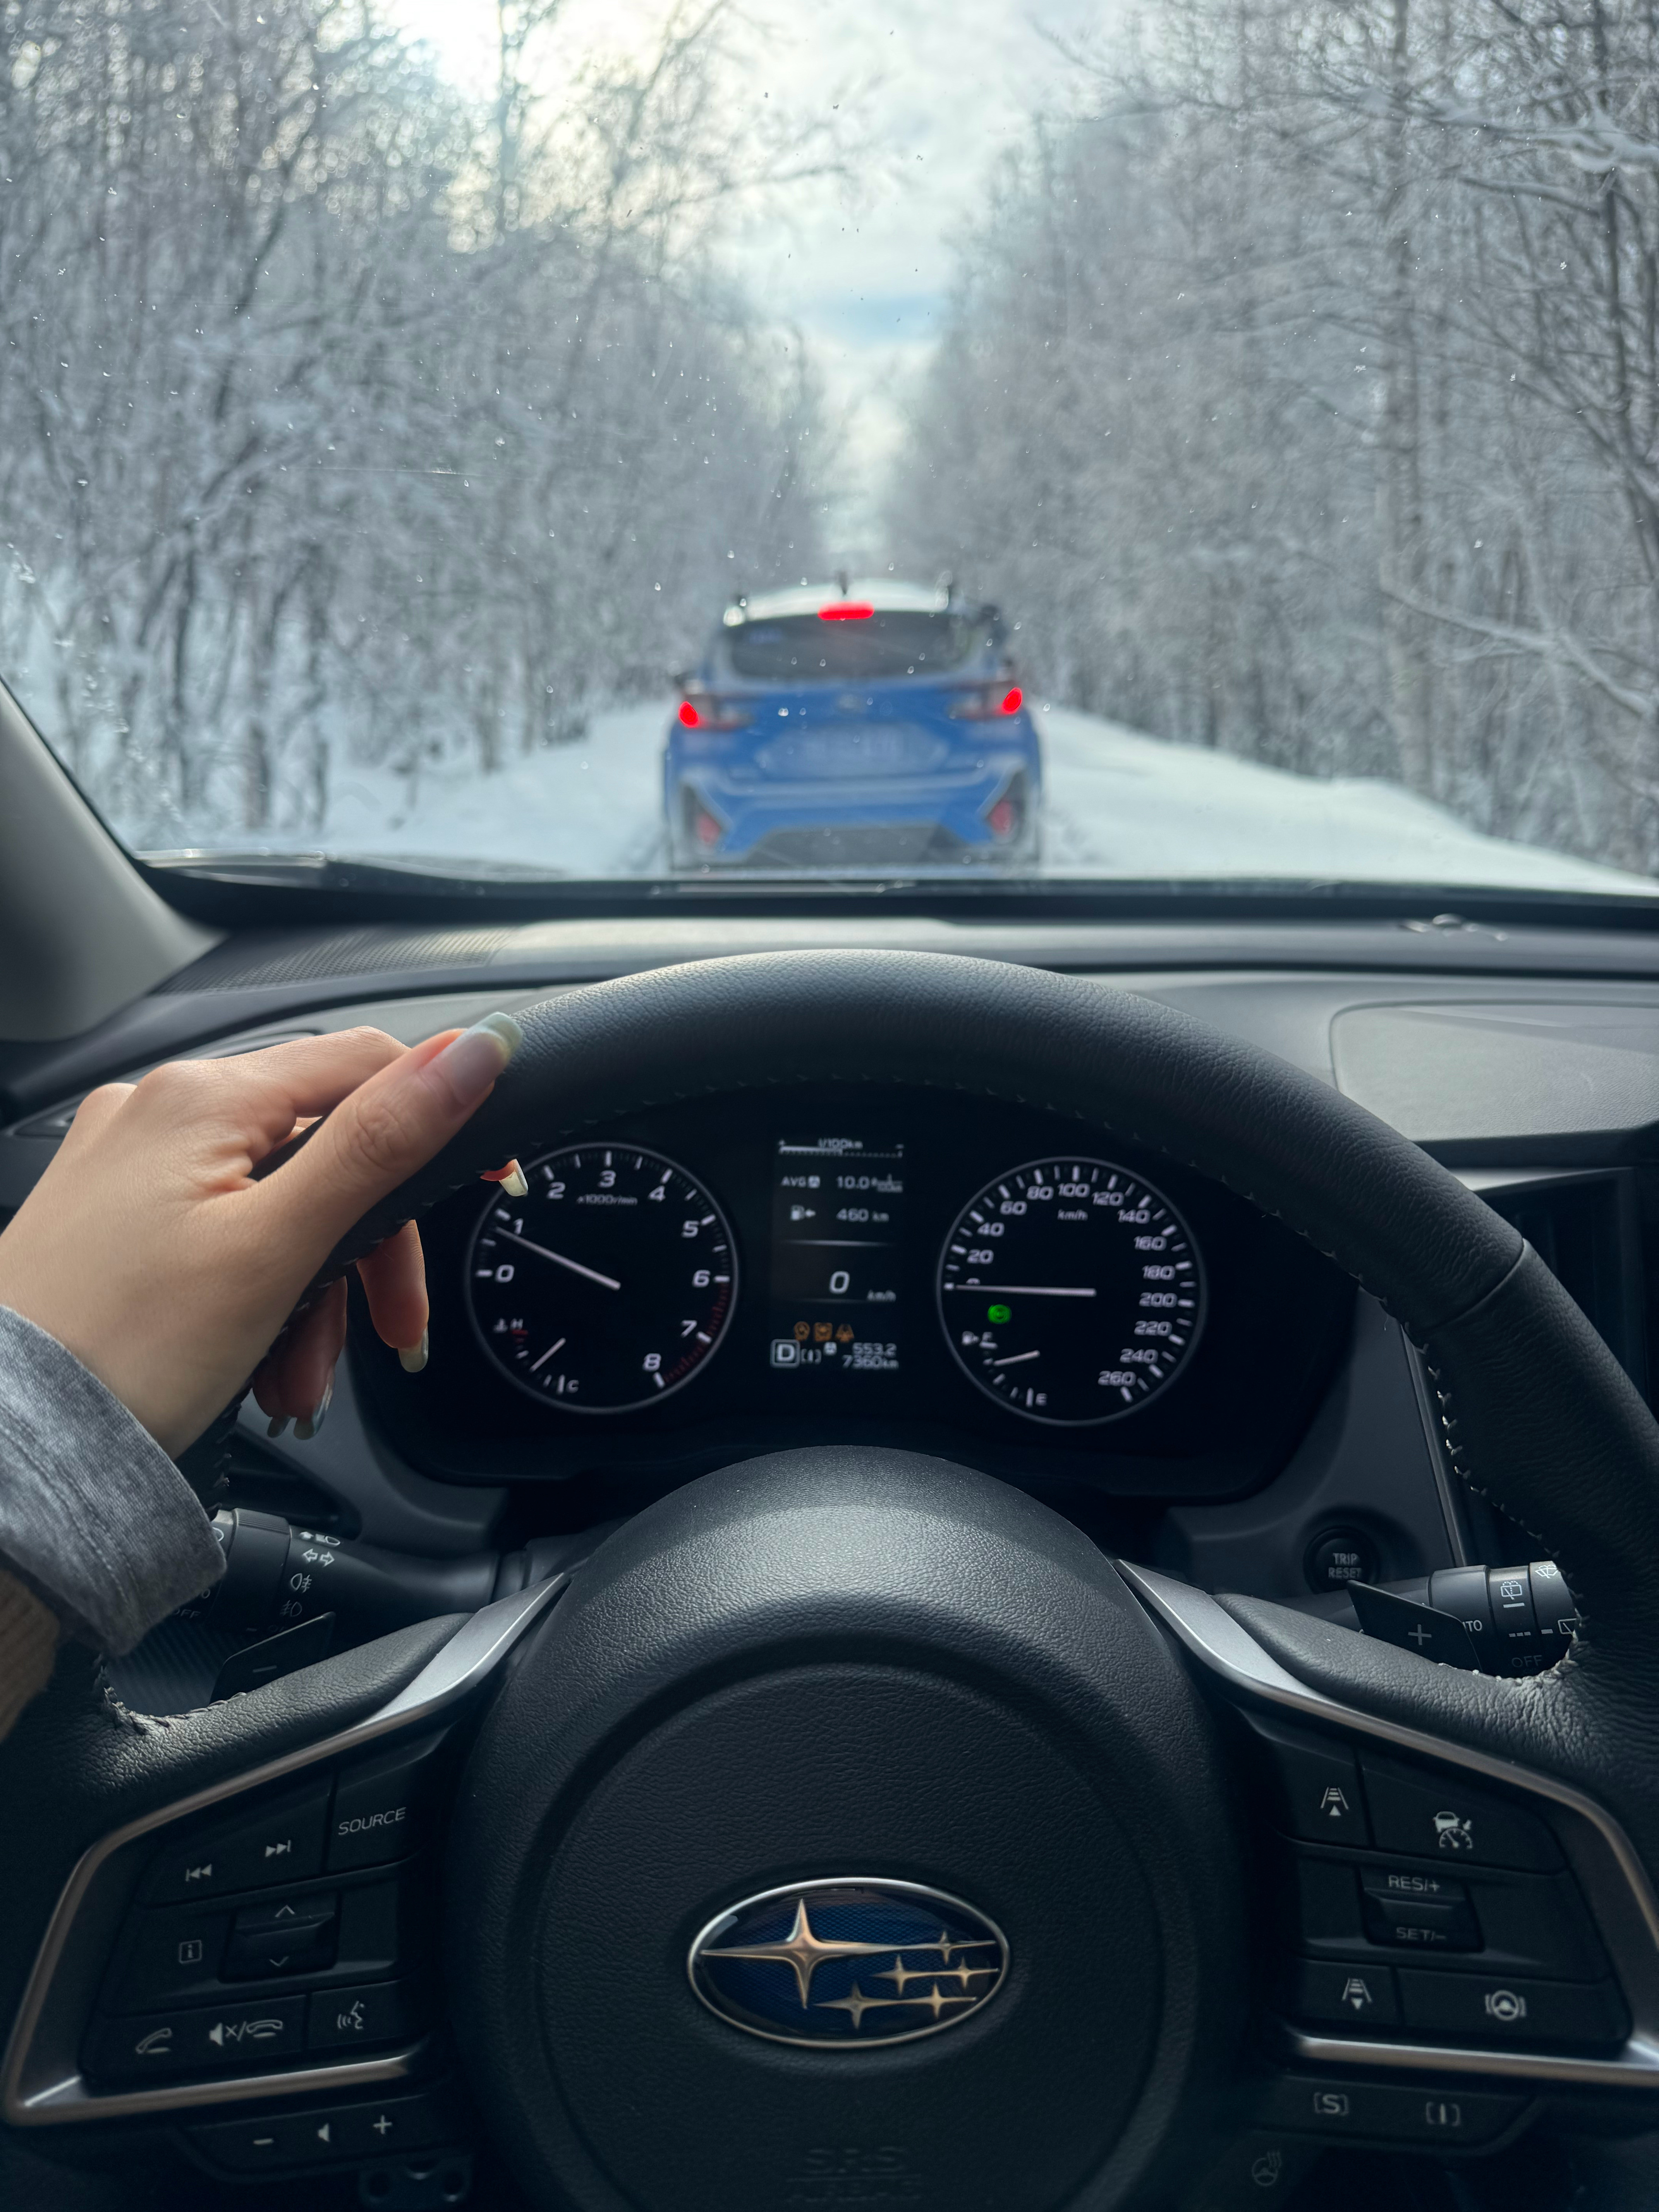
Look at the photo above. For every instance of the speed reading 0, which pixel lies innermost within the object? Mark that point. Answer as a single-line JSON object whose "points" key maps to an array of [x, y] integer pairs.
{"points": [[1071, 1290], [608, 1285]]}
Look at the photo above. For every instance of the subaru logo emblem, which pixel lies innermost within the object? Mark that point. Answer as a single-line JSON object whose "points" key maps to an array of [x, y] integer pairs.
{"points": [[842, 1964]]}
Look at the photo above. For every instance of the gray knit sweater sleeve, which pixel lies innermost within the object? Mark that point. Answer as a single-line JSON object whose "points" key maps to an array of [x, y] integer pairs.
{"points": [[93, 1513]]}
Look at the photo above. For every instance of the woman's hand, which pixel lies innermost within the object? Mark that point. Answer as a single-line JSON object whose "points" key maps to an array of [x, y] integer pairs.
{"points": [[151, 1251]]}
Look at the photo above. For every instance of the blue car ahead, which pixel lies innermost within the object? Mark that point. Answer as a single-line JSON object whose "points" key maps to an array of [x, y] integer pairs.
{"points": [[856, 725]]}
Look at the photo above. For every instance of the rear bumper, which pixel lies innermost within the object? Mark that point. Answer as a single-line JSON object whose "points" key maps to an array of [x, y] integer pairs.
{"points": [[884, 821]]}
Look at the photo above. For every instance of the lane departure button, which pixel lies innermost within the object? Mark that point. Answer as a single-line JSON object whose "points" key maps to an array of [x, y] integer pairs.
{"points": [[1358, 1996], [1318, 1793]]}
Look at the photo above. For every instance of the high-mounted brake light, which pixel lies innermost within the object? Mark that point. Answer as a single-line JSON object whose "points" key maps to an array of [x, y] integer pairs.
{"points": [[846, 611]]}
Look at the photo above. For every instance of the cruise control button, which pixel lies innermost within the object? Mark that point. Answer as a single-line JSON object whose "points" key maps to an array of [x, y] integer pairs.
{"points": [[1396, 1882], [205, 2041], [379, 2012], [1455, 2118], [1358, 1996], [280, 1840], [1424, 1923], [295, 1937], [1318, 1795], [384, 1807], [1513, 2011], [1436, 1817]]}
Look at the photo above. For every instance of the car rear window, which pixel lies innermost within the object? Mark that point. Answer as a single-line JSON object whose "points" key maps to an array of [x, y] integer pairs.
{"points": [[792, 647]]}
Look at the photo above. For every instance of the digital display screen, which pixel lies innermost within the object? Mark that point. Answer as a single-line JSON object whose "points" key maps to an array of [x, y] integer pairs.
{"points": [[837, 1241]]}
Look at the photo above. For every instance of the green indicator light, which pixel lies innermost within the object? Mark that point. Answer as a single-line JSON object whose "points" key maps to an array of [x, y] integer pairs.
{"points": [[998, 1313]]}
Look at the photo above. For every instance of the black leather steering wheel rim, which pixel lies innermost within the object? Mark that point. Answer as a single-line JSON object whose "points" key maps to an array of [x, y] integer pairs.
{"points": [[1536, 1412]]}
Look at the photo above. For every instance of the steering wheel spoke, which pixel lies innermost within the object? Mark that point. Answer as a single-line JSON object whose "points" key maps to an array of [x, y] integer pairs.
{"points": [[1448, 1936], [267, 1937]]}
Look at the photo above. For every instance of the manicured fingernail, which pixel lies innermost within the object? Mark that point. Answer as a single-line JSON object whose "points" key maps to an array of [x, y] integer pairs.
{"points": [[511, 1179], [469, 1067], [278, 1422], [412, 1357], [306, 1429]]}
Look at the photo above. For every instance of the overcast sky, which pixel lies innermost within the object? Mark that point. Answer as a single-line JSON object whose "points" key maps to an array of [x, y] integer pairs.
{"points": [[939, 86]]}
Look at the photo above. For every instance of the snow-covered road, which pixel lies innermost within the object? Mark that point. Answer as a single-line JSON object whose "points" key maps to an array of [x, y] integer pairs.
{"points": [[1118, 804]]}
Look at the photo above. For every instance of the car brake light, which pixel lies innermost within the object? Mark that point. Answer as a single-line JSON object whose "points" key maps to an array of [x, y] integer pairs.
{"points": [[709, 713], [1004, 817], [847, 611], [983, 703], [706, 829]]}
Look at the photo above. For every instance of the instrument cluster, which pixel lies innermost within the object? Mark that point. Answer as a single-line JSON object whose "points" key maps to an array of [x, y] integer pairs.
{"points": [[730, 1276]]}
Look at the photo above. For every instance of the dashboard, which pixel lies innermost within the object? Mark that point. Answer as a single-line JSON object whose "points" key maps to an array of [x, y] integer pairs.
{"points": [[736, 1275], [1268, 1422]]}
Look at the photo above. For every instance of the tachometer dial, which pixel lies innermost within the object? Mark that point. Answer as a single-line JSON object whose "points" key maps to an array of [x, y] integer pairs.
{"points": [[609, 1286], [1071, 1290]]}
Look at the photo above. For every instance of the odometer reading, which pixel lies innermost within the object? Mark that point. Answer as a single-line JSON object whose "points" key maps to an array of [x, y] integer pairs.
{"points": [[608, 1285], [1071, 1290]]}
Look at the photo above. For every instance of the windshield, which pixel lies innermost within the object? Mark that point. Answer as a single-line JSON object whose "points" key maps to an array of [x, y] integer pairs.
{"points": [[1212, 443]]}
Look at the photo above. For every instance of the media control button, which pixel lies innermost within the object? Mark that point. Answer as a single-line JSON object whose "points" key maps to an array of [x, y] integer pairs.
{"points": [[1342, 2109], [393, 2125], [206, 2039], [293, 1936], [1357, 1996], [384, 1807], [280, 1840], [1509, 2010], [1318, 1794], [262, 2145], [380, 2128], [1440, 1817], [378, 2012]]}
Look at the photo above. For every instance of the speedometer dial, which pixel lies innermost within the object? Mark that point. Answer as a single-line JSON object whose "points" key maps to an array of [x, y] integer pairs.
{"points": [[1071, 1290], [609, 1286]]}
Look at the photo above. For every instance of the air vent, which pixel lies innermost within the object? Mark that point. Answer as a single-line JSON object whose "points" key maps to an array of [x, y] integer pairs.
{"points": [[1586, 1228]]}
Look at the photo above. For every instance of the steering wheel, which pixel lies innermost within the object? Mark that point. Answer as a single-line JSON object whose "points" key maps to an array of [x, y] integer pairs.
{"points": [[813, 1690]]}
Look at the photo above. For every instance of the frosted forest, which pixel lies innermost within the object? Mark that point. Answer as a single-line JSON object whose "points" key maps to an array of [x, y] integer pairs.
{"points": [[1298, 392]]}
